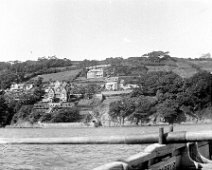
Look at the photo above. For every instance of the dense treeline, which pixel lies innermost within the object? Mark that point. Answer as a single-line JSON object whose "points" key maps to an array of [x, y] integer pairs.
{"points": [[161, 96], [30, 66], [166, 97], [23, 71], [10, 107], [13, 111], [28, 114]]}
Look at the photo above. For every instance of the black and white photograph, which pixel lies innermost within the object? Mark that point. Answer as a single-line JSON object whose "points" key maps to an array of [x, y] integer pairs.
{"points": [[105, 85]]}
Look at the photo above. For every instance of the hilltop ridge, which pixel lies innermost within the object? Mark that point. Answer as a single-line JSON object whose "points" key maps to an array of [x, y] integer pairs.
{"points": [[52, 68]]}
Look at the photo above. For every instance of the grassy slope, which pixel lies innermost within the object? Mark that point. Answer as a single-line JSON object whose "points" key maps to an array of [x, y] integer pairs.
{"points": [[183, 67], [204, 65], [60, 76]]}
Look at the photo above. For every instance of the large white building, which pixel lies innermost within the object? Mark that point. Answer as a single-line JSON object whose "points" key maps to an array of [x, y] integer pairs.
{"points": [[96, 71]]}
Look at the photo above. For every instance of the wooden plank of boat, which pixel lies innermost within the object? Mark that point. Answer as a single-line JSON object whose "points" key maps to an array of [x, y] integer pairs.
{"points": [[159, 157], [197, 158], [166, 164], [155, 151], [169, 156]]}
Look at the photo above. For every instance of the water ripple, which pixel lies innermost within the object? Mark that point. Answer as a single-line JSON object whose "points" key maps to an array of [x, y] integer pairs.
{"points": [[71, 157]]}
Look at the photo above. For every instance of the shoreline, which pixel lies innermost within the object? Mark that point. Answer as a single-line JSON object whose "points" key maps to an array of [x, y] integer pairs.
{"points": [[91, 125], [50, 125]]}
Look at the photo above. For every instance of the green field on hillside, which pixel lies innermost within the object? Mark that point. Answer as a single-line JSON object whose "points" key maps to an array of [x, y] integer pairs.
{"points": [[61, 76], [204, 65], [184, 67]]}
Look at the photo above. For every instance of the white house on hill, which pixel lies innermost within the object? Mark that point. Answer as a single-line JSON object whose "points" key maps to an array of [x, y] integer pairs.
{"points": [[127, 86], [96, 71], [112, 83], [116, 83]]}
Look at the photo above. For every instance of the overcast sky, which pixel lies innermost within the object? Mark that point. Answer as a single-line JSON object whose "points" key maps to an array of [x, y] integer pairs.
{"points": [[96, 29]]}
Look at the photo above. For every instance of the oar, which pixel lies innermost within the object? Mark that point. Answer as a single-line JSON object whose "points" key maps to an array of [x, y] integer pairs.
{"points": [[171, 137]]}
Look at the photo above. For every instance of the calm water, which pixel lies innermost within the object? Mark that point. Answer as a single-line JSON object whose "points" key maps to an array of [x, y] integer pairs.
{"points": [[64, 157]]}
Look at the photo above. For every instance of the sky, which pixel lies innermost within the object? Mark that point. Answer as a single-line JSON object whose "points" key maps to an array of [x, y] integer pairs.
{"points": [[98, 29]]}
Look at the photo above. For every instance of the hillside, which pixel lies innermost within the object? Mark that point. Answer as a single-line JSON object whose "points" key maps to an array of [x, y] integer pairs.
{"points": [[203, 64], [52, 68], [60, 76], [177, 95], [131, 67], [183, 67]]}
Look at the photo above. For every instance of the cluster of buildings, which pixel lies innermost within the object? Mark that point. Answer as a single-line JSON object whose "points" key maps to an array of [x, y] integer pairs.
{"points": [[56, 96], [111, 83], [58, 93], [18, 90], [54, 91]]}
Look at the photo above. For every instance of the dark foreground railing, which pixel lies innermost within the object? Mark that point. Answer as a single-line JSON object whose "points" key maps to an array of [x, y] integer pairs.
{"points": [[162, 138]]}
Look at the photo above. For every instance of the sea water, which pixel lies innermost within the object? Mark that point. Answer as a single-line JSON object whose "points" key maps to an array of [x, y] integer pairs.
{"points": [[73, 157]]}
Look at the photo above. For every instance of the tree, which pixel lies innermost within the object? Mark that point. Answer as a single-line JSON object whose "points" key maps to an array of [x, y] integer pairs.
{"points": [[87, 63], [121, 109], [144, 107], [170, 82], [7, 78], [115, 61], [91, 89], [23, 113], [66, 115], [4, 114], [46, 117], [169, 111], [196, 94], [163, 81], [156, 56], [199, 88], [137, 92], [38, 89]]}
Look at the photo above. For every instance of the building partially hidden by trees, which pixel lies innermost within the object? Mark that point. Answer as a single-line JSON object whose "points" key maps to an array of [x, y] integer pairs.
{"points": [[148, 89]]}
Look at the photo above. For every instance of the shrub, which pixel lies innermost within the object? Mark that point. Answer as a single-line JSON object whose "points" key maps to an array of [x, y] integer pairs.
{"points": [[23, 113], [66, 115]]}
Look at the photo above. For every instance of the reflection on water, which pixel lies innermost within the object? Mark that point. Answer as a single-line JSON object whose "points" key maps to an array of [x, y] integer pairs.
{"points": [[62, 157]]}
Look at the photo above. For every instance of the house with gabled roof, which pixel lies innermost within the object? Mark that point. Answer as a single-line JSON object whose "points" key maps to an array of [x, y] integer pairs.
{"points": [[56, 92]]}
